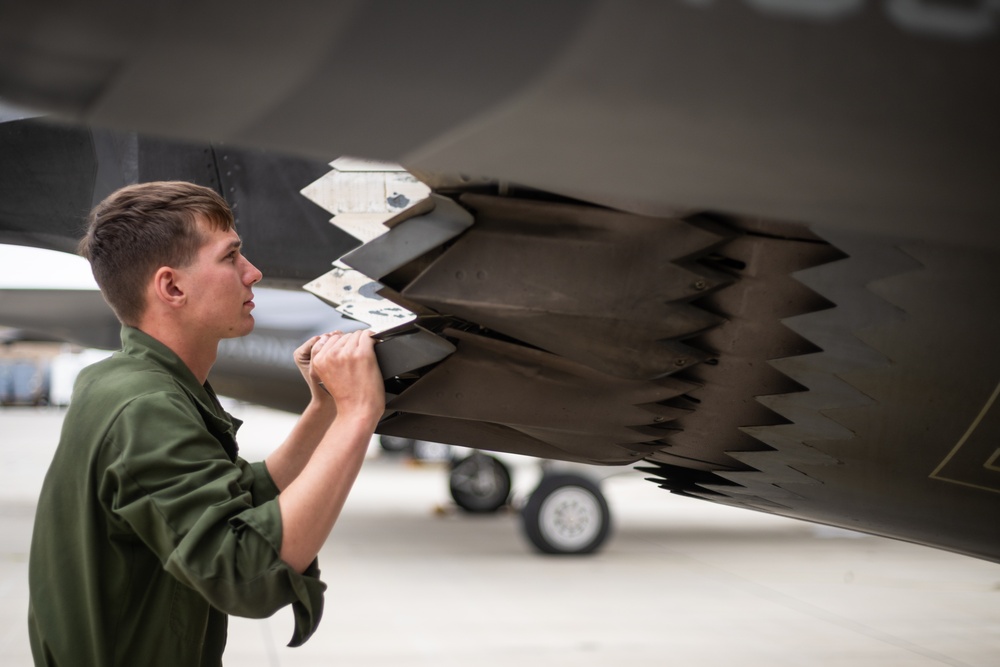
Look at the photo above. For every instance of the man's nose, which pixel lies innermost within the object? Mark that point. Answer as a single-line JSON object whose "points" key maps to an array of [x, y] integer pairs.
{"points": [[252, 274]]}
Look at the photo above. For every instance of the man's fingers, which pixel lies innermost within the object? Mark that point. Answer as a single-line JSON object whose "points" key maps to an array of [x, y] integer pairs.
{"points": [[323, 339], [347, 344], [348, 340], [304, 353]]}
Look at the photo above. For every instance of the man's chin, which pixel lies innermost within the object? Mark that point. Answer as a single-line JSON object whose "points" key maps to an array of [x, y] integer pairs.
{"points": [[245, 329]]}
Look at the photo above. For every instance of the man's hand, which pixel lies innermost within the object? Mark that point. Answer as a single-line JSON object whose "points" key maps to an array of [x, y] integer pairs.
{"points": [[345, 366], [303, 361]]}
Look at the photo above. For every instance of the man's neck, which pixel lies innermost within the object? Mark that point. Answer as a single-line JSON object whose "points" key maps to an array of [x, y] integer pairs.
{"points": [[198, 354], [198, 358]]}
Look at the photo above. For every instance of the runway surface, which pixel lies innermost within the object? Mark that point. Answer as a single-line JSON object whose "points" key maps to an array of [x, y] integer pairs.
{"points": [[415, 582]]}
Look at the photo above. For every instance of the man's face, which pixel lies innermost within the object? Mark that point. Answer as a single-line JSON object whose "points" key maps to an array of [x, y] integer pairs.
{"points": [[219, 283]]}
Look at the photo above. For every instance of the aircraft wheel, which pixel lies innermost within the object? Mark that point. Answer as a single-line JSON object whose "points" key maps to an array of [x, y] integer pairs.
{"points": [[566, 514], [395, 445], [480, 483]]}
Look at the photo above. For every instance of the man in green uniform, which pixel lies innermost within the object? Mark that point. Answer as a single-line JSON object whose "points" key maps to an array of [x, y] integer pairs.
{"points": [[150, 528]]}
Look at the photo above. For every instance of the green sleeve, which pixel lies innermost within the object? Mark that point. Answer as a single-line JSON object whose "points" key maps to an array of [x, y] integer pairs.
{"points": [[171, 484], [262, 486]]}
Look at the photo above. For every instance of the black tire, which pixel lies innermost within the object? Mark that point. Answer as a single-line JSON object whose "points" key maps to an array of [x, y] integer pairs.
{"points": [[395, 445], [479, 483], [566, 515]]}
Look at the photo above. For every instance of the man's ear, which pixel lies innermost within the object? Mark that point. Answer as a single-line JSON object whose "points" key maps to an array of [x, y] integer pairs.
{"points": [[167, 288]]}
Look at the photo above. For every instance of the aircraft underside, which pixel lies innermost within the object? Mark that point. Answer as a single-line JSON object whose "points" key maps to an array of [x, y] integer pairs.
{"points": [[832, 376]]}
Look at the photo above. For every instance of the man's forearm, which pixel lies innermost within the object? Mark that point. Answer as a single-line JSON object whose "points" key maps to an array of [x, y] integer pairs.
{"points": [[286, 462], [312, 502]]}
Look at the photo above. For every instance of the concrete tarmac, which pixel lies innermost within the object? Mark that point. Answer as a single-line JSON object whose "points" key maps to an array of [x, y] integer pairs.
{"points": [[414, 582]]}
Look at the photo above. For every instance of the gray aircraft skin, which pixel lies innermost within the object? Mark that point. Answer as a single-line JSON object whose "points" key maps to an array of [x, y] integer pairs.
{"points": [[752, 245]]}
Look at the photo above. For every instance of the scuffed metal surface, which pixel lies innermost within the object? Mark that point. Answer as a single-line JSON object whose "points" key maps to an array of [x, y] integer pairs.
{"points": [[362, 195], [357, 296]]}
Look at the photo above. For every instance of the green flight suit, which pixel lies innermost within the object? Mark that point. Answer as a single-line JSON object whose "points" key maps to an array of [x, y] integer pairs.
{"points": [[150, 529]]}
